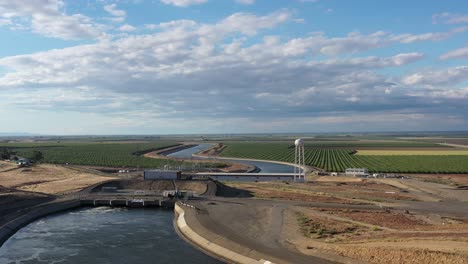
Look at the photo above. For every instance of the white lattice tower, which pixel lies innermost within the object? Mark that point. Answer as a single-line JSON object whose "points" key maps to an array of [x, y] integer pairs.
{"points": [[299, 172]]}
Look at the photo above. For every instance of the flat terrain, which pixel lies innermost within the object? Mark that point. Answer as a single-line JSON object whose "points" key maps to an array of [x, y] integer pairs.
{"points": [[460, 141], [349, 220], [24, 188], [362, 192], [332, 156], [48, 179], [459, 180], [111, 154], [419, 219], [412, 152]]}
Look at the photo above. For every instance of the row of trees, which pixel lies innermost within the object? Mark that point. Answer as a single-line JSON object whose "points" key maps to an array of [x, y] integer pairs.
{"points": [[8, 154]]}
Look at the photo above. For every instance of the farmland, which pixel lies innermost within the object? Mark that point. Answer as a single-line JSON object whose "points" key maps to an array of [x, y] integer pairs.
{"points": [[339, 156], [96, 154], [411, 152]]}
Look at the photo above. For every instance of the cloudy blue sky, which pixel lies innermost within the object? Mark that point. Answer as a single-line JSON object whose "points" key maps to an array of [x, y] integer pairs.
{"points": [[232, 66]]}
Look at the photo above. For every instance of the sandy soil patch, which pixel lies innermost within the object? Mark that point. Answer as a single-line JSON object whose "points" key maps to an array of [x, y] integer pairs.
{"points": [[451, 179], [4, 166], [291, 192], [360, 192], [365, 190], [314, 234], [382, 218], [337, 179], [50, 179], [380, 255], [427, 189]]}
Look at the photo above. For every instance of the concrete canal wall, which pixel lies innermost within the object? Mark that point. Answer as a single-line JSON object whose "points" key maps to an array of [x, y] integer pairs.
{"points": [[10, 228], [204, 244], [30, 214]]}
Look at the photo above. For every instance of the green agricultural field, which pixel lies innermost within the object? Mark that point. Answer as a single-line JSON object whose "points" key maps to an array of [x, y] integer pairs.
{"points": [[371, 144], [96, 154], [403, 152], [338, 159]]}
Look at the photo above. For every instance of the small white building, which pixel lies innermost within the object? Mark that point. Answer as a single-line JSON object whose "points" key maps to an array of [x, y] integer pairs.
{"points": [[357, 172], [162, 175]]}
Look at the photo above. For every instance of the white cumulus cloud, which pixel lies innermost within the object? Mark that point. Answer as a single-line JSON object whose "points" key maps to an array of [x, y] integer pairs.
{"points": [[461, 53], [112, 9], [183, 3], [46, 17], [449, 18], [228, 72]]}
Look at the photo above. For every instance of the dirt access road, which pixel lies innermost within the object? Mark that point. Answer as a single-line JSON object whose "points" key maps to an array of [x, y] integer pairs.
{"points": [[343, 221], [271, 230], [250, 228]]}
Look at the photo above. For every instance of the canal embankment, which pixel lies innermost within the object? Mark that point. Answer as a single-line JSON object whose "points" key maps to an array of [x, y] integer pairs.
{"points": [[27, 215], [102, 235], [168, 151], [207, 153], [306, 169], [118, 193], [188, 226]]}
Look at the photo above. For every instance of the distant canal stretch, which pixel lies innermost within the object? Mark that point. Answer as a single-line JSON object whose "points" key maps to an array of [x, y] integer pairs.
{"points": [[101, 235], [266, 167], [187, 153]]}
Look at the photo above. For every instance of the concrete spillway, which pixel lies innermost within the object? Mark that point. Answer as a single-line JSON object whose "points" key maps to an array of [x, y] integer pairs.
{"points": [[127, 202]]}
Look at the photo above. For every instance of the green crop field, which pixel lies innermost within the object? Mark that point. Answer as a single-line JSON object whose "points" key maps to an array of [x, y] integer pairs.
{"points": [[338, 159], [392, 152], [372, 144], [96, 154]]}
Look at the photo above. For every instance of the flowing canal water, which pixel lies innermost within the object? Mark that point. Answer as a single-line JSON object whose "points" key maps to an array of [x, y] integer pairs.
{"points": [[187, 153], [264, 166], [112, 235], [101, 235]]}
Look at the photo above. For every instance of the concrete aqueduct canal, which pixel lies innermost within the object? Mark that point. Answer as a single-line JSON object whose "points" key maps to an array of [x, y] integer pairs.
{"points": [[102, 235], [109, 235]]}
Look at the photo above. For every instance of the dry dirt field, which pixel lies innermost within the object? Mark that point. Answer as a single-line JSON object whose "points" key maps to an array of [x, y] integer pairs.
{"points": [[352, 191], [47, 179], [450, 179], [369, 236], [364, 220], [21, 188]]}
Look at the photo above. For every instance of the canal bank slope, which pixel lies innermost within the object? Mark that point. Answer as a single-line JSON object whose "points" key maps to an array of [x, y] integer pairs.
{"points": [[306, 169], [210, 247], [26, 216], [248, 234], [214, 151]]}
